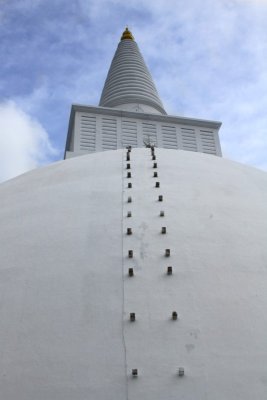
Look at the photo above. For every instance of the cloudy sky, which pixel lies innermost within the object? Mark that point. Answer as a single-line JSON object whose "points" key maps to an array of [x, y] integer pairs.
{"points": [[208, 59]]}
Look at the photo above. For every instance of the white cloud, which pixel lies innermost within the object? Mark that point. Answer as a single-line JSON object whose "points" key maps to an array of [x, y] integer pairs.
{"points": [[24, 143]]}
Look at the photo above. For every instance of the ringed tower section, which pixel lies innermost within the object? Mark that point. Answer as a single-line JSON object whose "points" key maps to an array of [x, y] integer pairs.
{"points": [[129, 84], [130, 113]]}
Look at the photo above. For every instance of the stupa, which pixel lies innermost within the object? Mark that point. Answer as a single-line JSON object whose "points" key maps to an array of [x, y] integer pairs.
{"points": [[135, 269]]}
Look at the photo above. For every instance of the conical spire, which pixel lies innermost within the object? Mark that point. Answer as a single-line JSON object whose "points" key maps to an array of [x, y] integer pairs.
{"points": [[129, 83]]}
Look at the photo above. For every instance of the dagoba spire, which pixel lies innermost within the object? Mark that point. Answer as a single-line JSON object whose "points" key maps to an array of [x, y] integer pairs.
{"points": [[129, 85], [127, 34]]}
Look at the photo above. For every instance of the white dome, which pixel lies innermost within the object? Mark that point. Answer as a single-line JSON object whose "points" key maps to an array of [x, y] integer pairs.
{"points": [[66, 294]]}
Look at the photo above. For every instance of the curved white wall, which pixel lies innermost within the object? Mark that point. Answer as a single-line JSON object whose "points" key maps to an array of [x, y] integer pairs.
{"points": [[66, 295]]}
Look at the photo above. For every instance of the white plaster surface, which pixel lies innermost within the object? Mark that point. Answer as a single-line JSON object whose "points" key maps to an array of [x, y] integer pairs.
{"points": [[65, 295]]}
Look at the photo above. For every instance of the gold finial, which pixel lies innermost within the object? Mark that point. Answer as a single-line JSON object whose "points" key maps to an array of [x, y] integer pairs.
{"points": [[127, 35]]}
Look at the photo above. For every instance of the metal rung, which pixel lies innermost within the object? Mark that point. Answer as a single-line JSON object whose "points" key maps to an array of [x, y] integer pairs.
{"points": [[169, 270], [174, 315], [132, 316], [167, 253]]}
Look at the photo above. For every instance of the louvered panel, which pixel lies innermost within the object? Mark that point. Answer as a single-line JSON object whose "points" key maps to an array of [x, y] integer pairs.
{"points": [[100, 130], [189, 141], [208, 141], [109, 133], [88, 133], [149, 131], [129, 133], [169, 137]]}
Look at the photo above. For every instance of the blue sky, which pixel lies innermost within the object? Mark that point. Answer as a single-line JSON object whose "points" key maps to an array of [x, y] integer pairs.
{"points": [[208, 60]]}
